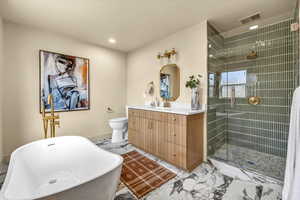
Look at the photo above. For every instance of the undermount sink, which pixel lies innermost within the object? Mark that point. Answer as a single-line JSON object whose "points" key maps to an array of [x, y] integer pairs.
{"points": [[174, 110], [163, 108]]}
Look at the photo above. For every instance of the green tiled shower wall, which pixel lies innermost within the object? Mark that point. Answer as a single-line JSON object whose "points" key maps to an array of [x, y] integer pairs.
{"points": [[217, 120], [262, 127]]}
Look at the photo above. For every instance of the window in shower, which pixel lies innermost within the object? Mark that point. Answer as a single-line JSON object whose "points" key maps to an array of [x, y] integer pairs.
{"points": [[233, 80]]}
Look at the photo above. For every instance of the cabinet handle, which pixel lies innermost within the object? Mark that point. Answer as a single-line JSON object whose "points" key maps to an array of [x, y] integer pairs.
{"points": [[174, 155], [174, 119]]}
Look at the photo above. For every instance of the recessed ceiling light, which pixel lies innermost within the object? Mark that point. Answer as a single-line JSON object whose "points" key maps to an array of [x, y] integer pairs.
{"points": [[112, 40], [253, 27]]}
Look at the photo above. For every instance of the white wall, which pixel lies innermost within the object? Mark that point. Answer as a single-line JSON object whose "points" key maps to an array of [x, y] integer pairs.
{"points": [[143, 66], [22, 121], [1, 87]]}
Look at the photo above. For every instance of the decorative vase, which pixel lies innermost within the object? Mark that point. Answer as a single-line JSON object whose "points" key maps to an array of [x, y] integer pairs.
{"points": [[195, 99]]}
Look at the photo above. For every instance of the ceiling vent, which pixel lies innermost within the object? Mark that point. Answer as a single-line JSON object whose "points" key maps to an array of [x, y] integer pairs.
{"points": [[251, 18]]}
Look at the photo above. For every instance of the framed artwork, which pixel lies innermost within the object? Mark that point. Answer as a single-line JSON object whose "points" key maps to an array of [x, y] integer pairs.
{"points": [[66, 78]]}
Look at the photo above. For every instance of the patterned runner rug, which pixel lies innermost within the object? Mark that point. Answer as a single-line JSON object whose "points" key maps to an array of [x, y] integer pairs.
{"points": [[142, 175]]}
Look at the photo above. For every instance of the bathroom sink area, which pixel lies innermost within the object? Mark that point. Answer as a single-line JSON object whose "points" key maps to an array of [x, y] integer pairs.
{"points": [[163, 108], [182, 110]]}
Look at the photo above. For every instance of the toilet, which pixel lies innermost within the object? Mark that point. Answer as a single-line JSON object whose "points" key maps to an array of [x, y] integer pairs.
{"points": [[120, 127]]}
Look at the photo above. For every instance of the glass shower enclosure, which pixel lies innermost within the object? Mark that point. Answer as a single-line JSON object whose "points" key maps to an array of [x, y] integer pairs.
{"points": [[251, 79]]}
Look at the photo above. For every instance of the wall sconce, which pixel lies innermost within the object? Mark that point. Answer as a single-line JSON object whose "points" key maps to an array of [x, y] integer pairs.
{"points": [[167, 54]]}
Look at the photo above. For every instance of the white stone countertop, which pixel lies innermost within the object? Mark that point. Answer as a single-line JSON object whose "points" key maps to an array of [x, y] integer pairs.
{"points": [[174, 110]]}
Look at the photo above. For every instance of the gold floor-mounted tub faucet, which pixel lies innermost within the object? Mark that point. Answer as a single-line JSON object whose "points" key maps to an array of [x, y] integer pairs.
{"points": [[52, 118]]}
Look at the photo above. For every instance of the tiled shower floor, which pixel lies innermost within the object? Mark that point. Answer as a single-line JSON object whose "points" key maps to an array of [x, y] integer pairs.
{"points": [[267, 164]]}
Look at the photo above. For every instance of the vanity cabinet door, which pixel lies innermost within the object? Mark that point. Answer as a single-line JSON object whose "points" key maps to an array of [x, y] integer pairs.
{"points": [[176, 134], [177, 119], [151, 136], [136, 128], [146, 134], [132, 136], [140, 141], [176, 155], [132, 123]]}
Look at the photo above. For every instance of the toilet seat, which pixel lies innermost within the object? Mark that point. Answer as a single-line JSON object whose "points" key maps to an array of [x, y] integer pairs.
{"points": [[120, 119]]}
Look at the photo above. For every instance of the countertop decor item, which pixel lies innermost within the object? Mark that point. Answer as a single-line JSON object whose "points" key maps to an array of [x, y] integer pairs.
{"points": [[193, 84]]}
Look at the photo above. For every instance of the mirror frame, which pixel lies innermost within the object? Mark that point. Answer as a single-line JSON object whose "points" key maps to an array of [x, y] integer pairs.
{"points": [[178, 76]]}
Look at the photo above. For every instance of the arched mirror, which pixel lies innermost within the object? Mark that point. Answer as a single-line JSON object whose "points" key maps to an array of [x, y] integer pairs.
{"points": [[170, 82]]}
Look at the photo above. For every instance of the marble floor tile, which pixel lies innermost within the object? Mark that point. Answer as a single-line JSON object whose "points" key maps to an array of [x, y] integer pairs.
{"points": [[125, 194], [213, 180], [209, 181]]}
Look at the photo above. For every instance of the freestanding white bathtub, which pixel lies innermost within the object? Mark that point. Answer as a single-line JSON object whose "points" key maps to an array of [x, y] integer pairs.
{"points": [[62, 168]]}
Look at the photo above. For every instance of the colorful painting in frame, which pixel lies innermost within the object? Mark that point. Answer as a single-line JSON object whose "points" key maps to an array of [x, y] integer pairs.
{"points": [[67, 79]]}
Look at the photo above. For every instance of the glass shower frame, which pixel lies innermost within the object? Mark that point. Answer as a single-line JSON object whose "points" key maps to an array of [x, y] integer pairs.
{"points": [[247, 135]]}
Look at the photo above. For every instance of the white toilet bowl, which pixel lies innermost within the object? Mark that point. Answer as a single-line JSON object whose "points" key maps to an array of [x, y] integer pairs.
{"points": [[120, 127]]}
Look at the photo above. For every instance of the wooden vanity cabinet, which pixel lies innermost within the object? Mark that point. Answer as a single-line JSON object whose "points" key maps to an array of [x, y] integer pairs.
{"points": [[177, 139]]}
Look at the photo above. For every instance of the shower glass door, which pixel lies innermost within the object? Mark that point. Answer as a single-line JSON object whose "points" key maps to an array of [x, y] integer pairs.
{"points": [[252, 77]]}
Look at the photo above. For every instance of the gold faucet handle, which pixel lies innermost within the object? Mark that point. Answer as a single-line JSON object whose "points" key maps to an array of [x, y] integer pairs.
{"points": [[51, 117], [57, 123]]}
